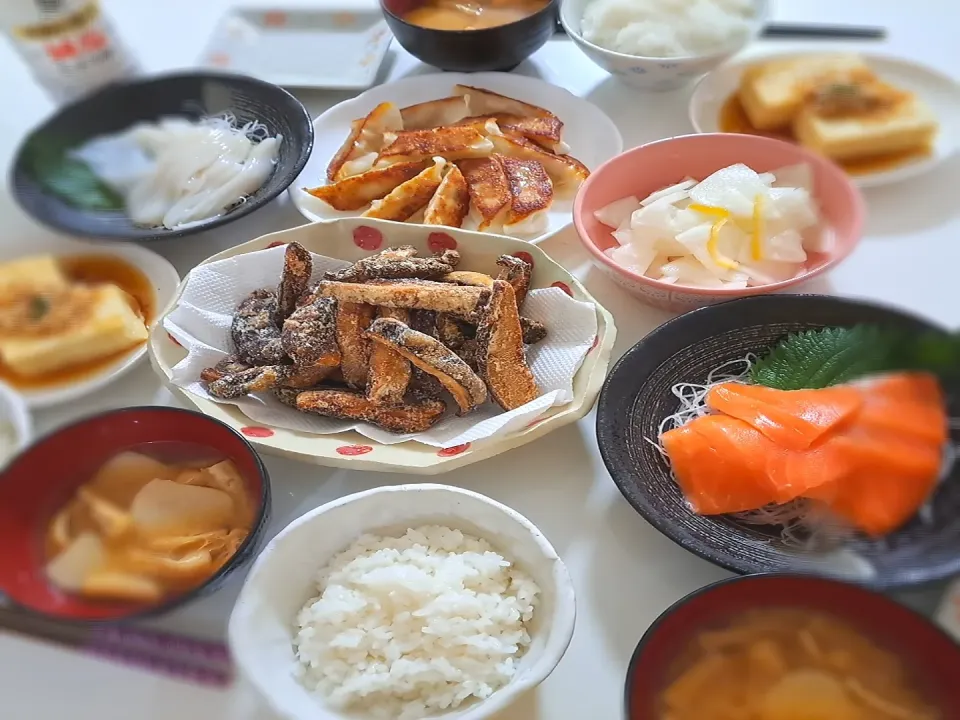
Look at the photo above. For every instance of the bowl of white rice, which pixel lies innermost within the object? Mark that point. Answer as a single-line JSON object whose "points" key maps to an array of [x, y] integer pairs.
{"points": [[661, 44], [403, 602]]}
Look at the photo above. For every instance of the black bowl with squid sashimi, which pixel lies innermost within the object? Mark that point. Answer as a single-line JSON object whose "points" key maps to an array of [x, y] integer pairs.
{"points": [[162, 157], [796, 432]]}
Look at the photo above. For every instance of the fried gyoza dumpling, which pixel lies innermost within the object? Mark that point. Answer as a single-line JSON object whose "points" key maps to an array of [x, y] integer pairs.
{"points": [[485, 102], [566, 172], [404, 200], [356, 192], [531, 194], [489, 190], [435, 113], [359, 151], [452, 143], [451, 203]]}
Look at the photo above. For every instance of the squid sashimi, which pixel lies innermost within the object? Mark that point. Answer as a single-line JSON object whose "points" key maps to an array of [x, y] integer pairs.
{"points": [[794, 419], [871, 451]]}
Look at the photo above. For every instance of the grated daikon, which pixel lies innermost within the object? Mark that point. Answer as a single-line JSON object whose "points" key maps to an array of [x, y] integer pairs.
{"points": [[734, 229]]}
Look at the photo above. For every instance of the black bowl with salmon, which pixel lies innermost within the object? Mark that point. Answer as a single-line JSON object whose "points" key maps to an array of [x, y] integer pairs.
{"points": [[794, 433]]}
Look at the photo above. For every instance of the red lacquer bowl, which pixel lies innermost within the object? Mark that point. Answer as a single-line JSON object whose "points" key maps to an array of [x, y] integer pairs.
{"points": [[929, 654], [44, 477]]}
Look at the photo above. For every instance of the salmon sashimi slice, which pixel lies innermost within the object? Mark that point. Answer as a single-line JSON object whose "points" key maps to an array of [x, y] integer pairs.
{"points": [[871, 451], [719, 464], [911, 404], [794, 419]]}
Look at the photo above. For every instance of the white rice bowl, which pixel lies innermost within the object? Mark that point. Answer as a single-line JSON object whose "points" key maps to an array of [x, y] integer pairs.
{"points": [[518, 606]]}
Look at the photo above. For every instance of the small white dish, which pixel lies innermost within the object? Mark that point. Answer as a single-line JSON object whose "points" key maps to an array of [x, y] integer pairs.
{"points": [[592, 136], [652, 73], [283, 578], [938, 90], [301, 47], [16, 425], [164, 281]]}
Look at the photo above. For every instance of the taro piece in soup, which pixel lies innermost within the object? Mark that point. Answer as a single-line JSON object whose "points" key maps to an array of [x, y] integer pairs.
{"points": [[153, 521], [790, 664]]}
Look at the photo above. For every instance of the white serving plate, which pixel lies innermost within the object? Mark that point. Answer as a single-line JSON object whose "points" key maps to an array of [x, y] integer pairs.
{"points": [[350, 449], [592, 136], [283, 578], [301, 47], [164, 281], [939, 91]]}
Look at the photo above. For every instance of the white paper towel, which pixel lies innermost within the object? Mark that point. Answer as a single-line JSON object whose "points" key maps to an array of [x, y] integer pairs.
{"points": [[201, 323]]}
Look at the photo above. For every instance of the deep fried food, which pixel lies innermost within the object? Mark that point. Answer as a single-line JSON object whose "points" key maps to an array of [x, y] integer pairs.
{"points": [[309, 335], [347, 405], [255, 334], [395, 263], [287, 395], [307, 377], [297, 267], [413, 294], [450, 332], [352, 321], [517, 272], [358, 191], [500, 355], [405, 199], [468, 277], [228, 366], [451, 203], [433, 357], [533, 330], [390, 372], [255, 379]]}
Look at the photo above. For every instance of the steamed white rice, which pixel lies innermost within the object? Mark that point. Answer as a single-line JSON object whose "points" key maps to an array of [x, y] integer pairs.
{"points": [[667, 28], [406, 627]]}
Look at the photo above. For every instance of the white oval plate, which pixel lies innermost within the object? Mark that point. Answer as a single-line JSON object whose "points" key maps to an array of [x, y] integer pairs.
{"points": [[163, 279], [939, 91], [592, 136]]}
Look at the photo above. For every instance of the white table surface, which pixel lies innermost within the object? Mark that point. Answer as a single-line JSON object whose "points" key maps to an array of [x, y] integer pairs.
{"points": [[625, 572]]}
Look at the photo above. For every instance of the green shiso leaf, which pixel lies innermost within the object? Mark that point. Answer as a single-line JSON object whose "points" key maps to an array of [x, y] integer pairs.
{"points": [[829, 356], [49, 164]]}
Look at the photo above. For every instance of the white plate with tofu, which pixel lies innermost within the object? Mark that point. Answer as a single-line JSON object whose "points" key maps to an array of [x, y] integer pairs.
{"points": [[75, 315], [882, 118], [374, 155]]}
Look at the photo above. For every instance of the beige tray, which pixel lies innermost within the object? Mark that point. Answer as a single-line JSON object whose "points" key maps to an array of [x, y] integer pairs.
{"points": [[334, 238]]}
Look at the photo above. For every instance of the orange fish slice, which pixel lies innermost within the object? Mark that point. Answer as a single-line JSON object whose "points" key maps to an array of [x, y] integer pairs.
{"points": [[910, 404], [793, 419], [719, 464]]}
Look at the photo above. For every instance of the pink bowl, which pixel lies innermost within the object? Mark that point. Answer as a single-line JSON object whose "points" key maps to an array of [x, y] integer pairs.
{"points": [[647, 168]]}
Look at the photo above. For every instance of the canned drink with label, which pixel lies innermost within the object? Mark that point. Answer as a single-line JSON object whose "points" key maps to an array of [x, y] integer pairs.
{"points": [[70, 45]]}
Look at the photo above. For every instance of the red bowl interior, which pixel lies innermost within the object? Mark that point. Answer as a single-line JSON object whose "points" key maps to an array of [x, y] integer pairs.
{"points": [[931, 656], [44, 477], [656, 165]]}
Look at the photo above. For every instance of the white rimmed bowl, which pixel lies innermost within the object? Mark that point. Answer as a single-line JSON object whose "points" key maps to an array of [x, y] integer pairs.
{"points": [[283, 579], [163, 280], [653, 73], [15, 421], [335, 238]]}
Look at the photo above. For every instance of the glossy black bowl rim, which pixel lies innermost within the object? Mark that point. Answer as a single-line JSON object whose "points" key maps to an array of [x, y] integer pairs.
{"points": [[651, 631], [550, 6], [243, 555], [663, 525], [302, 117]]}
